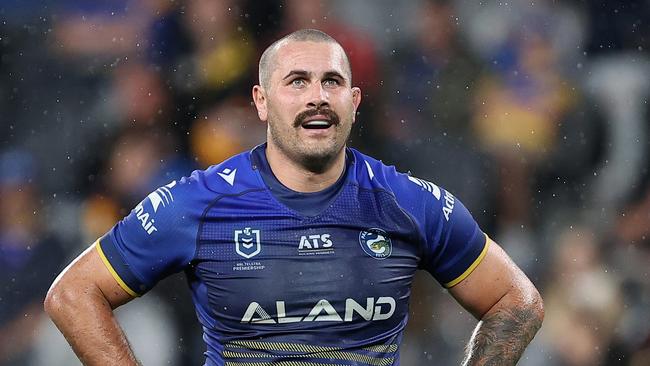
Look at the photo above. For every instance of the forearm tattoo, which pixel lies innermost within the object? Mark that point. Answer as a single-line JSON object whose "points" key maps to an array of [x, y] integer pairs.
{"points": [[501, 337]]}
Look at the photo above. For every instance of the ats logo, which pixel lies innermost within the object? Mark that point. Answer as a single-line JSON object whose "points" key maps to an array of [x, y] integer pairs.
{"points": [[315, 244]]}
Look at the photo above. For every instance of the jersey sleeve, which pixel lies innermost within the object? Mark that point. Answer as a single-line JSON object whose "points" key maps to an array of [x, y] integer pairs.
{"points": [[455, 243], [156, 239]]}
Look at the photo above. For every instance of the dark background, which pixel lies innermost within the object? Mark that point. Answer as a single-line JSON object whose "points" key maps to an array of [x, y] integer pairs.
{"points": [[534, 113]]}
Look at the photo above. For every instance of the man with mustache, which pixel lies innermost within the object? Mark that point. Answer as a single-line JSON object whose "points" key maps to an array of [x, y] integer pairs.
{"points": [[277, 243]]}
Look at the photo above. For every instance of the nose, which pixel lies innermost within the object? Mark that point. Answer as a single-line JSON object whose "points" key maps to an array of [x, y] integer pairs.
{"points": [[318, 97]]}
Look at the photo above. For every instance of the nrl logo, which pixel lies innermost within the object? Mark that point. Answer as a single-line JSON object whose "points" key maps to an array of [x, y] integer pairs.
{"points": [[376, 243], [247, 242]]}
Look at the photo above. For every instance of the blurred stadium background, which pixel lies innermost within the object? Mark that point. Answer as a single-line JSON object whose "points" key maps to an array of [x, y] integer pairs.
{"points": [[534, 113]]}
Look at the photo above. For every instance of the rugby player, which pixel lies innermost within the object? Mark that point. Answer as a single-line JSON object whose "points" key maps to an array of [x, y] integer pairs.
{"points": [[301, 251]]}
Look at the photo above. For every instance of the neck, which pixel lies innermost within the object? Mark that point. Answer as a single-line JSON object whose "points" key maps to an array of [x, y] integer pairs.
{"points": [[298, 177]]}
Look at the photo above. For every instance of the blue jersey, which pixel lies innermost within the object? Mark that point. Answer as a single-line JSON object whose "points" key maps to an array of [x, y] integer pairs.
{"points": [[274, 280]]}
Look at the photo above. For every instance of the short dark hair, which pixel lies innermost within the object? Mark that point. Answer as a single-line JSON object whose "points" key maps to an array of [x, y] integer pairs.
{"points": [[302, 35]]}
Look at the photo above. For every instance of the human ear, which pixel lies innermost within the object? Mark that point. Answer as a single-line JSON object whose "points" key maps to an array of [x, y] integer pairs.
{"points": [[356, 100], [259, 98]]}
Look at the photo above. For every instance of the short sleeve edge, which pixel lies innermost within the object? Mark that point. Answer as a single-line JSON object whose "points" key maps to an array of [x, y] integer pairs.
{"points": [[114, 273], [472, 266]]}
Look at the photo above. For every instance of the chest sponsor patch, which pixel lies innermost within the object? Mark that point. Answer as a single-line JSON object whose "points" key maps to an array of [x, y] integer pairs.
{"points": [[315, 244]]}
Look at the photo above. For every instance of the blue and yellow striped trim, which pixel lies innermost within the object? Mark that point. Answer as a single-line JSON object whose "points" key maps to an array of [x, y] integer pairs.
{"points": [[472, 266], [282, 363], [333, 355], [250, 353], [116, 276]]}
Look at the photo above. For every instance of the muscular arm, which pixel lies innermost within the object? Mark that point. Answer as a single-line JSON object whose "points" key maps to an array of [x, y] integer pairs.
{"points": [[81, 302], [509, 308]]}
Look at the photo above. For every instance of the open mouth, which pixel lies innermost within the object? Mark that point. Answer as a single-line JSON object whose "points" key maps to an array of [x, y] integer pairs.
{"points": [[317, 124], [315, 119]]}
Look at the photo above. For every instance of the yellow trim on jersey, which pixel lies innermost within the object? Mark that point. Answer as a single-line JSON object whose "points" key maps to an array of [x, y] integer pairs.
{"points": [[281, 363], [117, 277], [332, 355], [242, 349], [279, 346], [300, 347], [472, 267]]}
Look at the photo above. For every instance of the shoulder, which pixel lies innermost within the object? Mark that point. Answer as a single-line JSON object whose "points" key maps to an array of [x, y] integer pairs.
{"points": [[230, 177], [375, 175], [188, 196]]}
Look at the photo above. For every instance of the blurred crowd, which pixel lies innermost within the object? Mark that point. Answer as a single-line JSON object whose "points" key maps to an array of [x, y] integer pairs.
{"points": [[534, 113]]}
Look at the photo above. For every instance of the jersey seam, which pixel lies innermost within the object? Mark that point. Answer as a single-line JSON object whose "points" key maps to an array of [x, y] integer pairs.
{"points": [[208, 207], [421, 237]]}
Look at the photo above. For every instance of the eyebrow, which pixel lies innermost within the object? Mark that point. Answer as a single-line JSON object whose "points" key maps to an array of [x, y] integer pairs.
{"points": [[296, 73], [333, 74], [304, 73]]}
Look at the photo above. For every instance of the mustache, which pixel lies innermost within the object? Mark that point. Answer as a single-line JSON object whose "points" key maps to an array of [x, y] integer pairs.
{"points": [[328, 113]]}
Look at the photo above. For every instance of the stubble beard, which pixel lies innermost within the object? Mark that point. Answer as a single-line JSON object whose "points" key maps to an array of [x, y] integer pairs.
{"points": [[315, 157]]}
